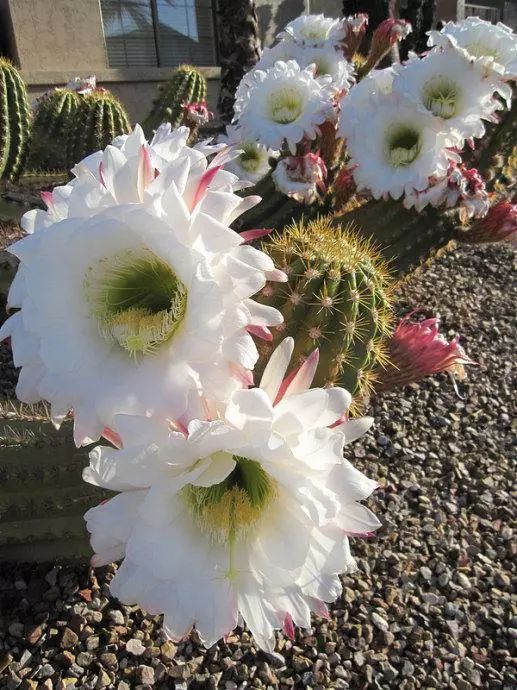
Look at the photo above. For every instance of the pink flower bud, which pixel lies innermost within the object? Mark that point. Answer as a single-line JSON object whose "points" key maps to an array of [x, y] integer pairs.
{"points": [[389, 32], [196, 114], [417, 350], [500, 224], [301, 177]]}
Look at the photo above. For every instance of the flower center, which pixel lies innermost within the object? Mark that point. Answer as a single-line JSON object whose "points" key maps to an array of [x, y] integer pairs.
{"points": [[285, 106], [229, 511], [478, 49], [314, 33], [441, 97], [136, 299], [403, 146], [250, 158]]}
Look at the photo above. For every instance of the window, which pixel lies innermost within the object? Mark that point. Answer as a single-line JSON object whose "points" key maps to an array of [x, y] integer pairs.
{"points": [[490, 14], [159, 33]]}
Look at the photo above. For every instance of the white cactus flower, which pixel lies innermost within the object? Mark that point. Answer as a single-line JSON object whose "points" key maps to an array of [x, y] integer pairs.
{"points": [[133, 292], [403, 150], [248, 515], [455, 88], [482, 39], [315, 30], [283, 105], [252, 164]]}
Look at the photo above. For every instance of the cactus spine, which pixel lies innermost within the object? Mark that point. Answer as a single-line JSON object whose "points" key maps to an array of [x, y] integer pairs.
{"points": [[15, 121], [100, 118], [42, 495], [53, 119], [187, 85], [337, 298]]}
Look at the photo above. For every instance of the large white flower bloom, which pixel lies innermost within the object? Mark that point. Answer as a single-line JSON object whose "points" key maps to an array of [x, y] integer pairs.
{"points": [[249, 514], [327, 59], [378, 81], [454, 87], [404, 147], [133, 292], [283, 104], [252, 163], [482, 39], [315, 30]]}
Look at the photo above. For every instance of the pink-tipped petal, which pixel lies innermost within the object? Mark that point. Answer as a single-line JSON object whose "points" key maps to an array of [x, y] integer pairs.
{"points": [[320, 609], [47, 199], [245, 376], [145, 171], [203, 185], [276, 368], [288, 627], [261, 332], [112, 437], [251, 235], [304, 375]]}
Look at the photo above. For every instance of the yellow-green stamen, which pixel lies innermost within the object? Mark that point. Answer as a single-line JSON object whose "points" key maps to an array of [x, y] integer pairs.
{"points": [[285, 106], [441, 97], [403, 146], [137, 300]]}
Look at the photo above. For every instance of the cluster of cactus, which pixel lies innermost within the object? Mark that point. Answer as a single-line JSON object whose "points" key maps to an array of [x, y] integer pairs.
{"points": [[42, 495], [55, 113], [99, 118], [15, 121], [337, 298], [187, 86]]}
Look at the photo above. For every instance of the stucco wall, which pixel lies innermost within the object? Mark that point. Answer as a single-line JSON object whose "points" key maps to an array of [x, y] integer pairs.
{"points": [[58, 34], [137, 92]]}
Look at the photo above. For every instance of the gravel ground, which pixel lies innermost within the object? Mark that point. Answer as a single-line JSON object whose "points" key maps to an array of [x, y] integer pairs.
{"points": [[430, 606]]}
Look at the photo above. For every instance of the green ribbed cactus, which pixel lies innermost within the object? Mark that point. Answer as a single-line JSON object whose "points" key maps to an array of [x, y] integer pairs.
{"points": [[53, 119], [42, 495], [337, 298], [15, 121], [187, 85], [100, 118]]}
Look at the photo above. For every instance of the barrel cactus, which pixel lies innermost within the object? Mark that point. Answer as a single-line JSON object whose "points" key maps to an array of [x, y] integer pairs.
{"points": [[100, 118], [54, 117], [187, 86], [42, 495], [337, 298], [15, 121]]}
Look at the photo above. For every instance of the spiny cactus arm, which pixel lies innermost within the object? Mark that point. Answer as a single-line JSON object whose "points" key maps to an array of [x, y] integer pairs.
{"points": [[337, 299], [406, 238], [187, 85]]}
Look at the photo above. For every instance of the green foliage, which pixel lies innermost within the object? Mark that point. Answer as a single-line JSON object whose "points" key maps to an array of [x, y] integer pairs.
{"points": [[54, 117], [337, 298], [42, 495], [99, 119], [187, 85], [15, 121]]}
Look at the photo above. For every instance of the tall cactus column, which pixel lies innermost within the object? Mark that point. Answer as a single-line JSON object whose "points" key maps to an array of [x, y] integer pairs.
{"points": [[15, 121], [187, 86]]}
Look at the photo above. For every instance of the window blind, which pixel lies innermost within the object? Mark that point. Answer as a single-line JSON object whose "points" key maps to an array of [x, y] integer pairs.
{"points": [[149, 33]]}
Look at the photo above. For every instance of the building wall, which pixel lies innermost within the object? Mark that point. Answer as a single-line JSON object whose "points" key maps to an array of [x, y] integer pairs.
{"points": [[55, 40]]}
